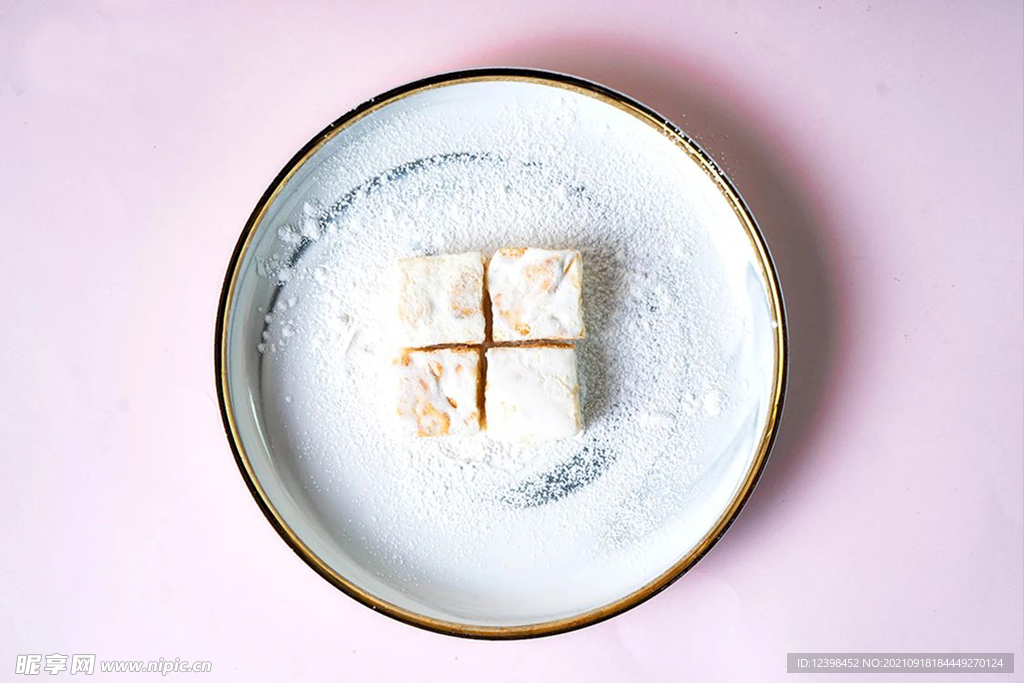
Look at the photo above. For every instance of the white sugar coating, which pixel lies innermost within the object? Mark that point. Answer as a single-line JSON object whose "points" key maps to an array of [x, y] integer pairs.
{"points": [[657, 369], [532, 393], [535, 294], [438, 392], [439, 300]]}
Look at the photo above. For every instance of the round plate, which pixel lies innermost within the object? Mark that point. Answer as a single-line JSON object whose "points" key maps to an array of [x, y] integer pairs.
{"points": [[682, 373]]}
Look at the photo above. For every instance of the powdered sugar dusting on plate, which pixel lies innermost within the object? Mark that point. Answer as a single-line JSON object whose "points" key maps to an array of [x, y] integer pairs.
{"points": [[656, 369]]}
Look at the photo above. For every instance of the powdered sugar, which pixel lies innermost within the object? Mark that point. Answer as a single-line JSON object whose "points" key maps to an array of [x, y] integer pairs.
{"points": [[658, 368]]}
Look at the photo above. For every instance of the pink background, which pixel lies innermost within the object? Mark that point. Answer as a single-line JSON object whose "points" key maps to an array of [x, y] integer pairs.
{"points": [[879, 143]]}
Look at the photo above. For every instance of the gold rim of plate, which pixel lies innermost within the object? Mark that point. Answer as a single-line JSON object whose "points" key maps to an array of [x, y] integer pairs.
{"points": [[746, 219]]}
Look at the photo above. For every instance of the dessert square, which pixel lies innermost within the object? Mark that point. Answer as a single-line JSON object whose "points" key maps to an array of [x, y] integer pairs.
{"points": [[440, 300], [531, 393], [535, 294], [438, 392]]}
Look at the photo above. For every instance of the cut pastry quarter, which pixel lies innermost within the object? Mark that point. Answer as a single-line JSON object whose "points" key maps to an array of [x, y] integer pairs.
{"points": [[440, 300], [536, 294], [532, 393], [438, 392]]}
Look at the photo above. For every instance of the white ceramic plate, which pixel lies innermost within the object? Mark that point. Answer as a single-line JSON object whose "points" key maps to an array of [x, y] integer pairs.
{"points": [[683, 370]]}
